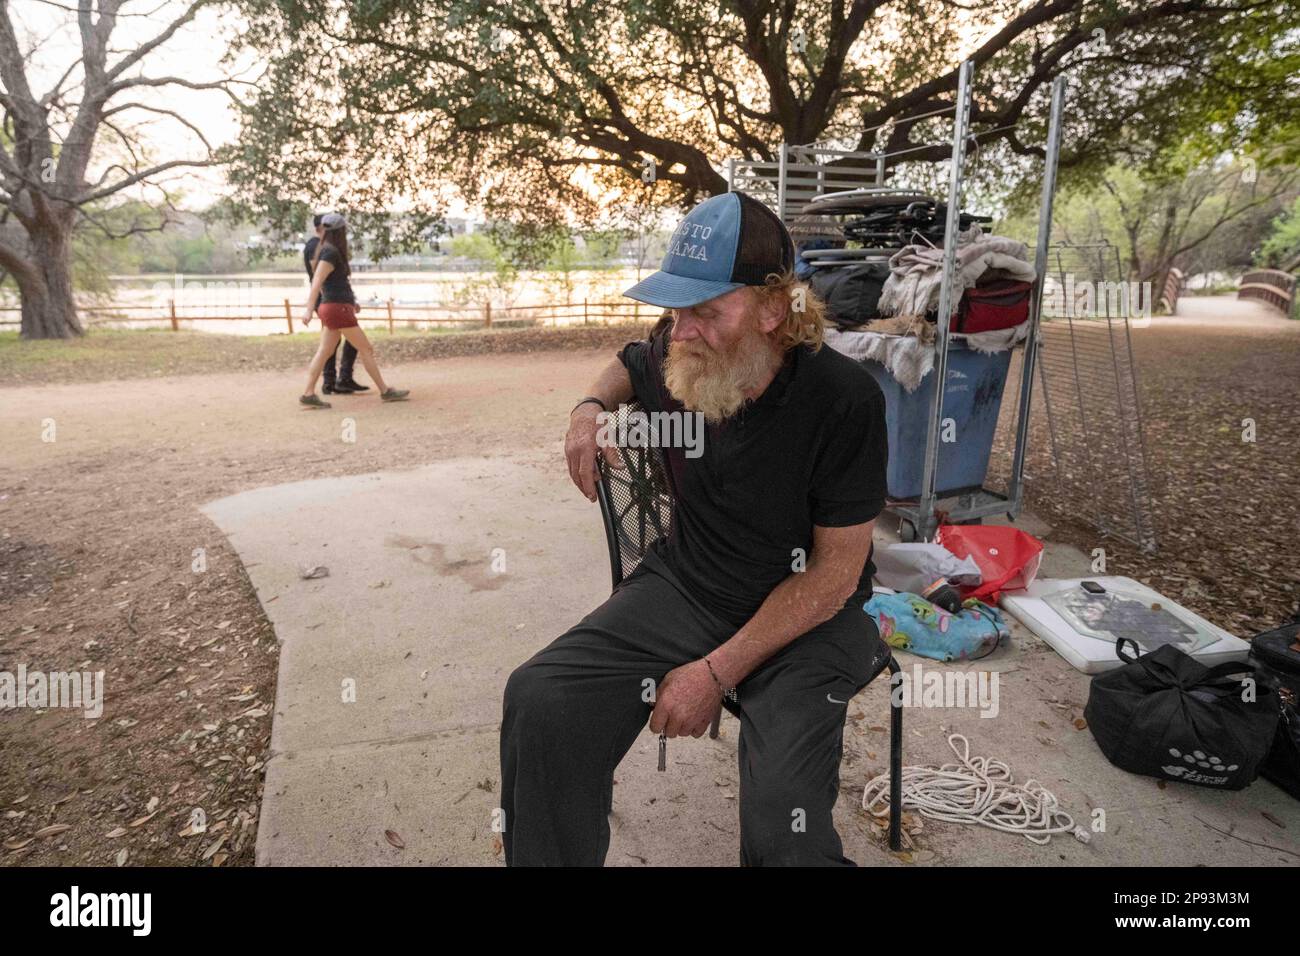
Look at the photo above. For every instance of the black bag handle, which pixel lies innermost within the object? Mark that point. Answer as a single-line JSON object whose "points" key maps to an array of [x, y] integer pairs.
{"points": [[1220, 671], [1231, 667], [1212, 674]]}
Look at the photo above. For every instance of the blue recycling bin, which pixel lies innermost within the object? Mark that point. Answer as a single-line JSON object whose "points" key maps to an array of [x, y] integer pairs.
{"points": [[972, 398]]}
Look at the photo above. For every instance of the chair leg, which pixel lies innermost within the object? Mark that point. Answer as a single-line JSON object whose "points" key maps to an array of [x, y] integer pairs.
{"points": [[717, 722], [895, 759]]}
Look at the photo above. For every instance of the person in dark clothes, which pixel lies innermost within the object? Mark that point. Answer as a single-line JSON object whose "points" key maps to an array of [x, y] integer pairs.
{"points": [[755, 595], [346, 383], [332, 298]]}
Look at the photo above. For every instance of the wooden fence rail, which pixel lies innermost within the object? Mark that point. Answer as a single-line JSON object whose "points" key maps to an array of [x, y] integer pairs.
{"points": [[383, 313]]}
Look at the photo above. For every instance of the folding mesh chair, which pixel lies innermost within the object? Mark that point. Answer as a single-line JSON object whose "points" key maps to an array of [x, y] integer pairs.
{"points": [[636, 505]]}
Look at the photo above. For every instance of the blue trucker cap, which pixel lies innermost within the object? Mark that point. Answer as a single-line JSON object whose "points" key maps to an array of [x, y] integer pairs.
{"points": [[725, 242]]}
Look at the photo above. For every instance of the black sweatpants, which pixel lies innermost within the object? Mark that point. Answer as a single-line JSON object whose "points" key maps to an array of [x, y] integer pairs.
{"points": [[576, 707], [345, 364]]}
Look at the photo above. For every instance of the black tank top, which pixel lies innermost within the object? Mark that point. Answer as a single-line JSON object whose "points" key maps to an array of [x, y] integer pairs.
{"points": [[336, 288]]}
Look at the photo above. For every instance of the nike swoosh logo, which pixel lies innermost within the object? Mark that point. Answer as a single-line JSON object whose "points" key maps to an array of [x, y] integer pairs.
{"points": [[834, 701]]}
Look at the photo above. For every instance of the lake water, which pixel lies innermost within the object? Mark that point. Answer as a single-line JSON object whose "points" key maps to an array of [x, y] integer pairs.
{"points": [[258, 299]]}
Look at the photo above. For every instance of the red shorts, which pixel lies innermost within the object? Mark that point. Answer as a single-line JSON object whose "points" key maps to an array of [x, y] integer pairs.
{"points": [[337, 315]]}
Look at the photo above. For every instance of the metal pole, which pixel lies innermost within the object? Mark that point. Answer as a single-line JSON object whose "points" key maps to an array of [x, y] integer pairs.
{"points": [[731, 175], [895, 756], [926, 510], [780, 184], [1016, 489]]}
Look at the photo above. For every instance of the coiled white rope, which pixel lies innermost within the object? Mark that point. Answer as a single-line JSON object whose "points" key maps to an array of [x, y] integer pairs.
{"points": [[976, 790]]}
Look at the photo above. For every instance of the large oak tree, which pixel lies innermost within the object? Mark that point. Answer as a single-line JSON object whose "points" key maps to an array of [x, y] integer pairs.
{"points": [[538, 110], [70, 151]]}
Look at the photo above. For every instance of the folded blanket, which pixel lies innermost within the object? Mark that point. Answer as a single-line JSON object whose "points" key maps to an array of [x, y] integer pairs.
{"points": [[908, 359], [916, 271], [911, 623]]}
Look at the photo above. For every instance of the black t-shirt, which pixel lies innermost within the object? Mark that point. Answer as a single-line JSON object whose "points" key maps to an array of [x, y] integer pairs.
{"points": [[811, 450], [309, 253], [336, 287]]}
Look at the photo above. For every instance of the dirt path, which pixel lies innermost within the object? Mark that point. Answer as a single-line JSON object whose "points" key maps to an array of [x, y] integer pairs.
{"points": [[100, 541], [108, 355]]}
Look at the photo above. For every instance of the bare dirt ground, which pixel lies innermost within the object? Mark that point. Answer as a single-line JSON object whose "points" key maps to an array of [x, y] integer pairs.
{"points": [[100, 566], [1226, 515], [110, 354]]}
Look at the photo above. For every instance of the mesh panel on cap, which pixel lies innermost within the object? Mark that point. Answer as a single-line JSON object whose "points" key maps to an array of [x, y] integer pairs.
{"points": [[764, 246]]}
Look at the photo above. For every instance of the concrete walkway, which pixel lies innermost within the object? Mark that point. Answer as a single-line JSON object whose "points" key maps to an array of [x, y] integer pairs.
{"points": [[392, 668]]}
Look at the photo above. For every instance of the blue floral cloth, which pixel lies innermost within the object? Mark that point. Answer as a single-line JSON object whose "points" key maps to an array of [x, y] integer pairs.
{"points": [[911, 623]]}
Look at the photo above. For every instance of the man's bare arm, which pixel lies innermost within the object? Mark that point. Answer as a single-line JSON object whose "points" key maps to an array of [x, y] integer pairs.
{"points": [[613, 386], [799, 603], [687, 698]]}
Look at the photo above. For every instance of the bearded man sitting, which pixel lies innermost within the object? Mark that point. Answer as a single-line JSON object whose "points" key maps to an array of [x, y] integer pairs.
{"points": [[757, 592]]}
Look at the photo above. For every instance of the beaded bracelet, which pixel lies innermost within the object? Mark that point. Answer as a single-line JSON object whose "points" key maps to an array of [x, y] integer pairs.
{"points": [[729, 694]]}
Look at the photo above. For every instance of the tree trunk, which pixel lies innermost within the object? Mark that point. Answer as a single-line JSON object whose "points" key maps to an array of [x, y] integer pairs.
{"points": [[49, 308]]}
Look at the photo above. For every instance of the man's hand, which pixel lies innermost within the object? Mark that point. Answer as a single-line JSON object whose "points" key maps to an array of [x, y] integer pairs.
{"points": [[685, 702], [580, 448]]}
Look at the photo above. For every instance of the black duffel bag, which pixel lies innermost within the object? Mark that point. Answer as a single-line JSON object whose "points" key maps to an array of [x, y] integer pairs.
{"points": [[851, 293], [1167, 715], [1276, 656]]}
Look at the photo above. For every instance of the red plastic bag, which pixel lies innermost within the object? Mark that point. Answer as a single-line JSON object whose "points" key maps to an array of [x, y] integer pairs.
{"points": [[1008, 557]]}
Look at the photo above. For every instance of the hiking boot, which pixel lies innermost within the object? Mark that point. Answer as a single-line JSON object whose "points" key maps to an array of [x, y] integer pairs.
{"points": [[312, 401], [395, 394], [352, 386]]}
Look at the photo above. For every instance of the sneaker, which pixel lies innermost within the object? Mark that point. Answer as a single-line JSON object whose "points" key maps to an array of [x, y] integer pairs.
{"points": [[352, 386], [312, 401], [395, 394]]}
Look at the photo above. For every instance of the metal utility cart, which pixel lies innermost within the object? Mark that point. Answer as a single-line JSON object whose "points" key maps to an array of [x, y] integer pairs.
{"points": [[803, 173]]}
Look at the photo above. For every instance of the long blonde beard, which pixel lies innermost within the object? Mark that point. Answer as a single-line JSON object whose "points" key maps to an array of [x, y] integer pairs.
{"points": [[714, 383]]}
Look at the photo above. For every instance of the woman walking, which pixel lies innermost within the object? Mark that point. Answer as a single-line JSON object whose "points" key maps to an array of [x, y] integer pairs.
{"points": [[338, 312]]}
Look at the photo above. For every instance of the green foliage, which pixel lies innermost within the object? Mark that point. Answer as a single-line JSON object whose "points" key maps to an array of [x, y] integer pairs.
{"points": [[547, 112], [494, 275], [1200, 215], [1282, 247], [604, 245]]}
